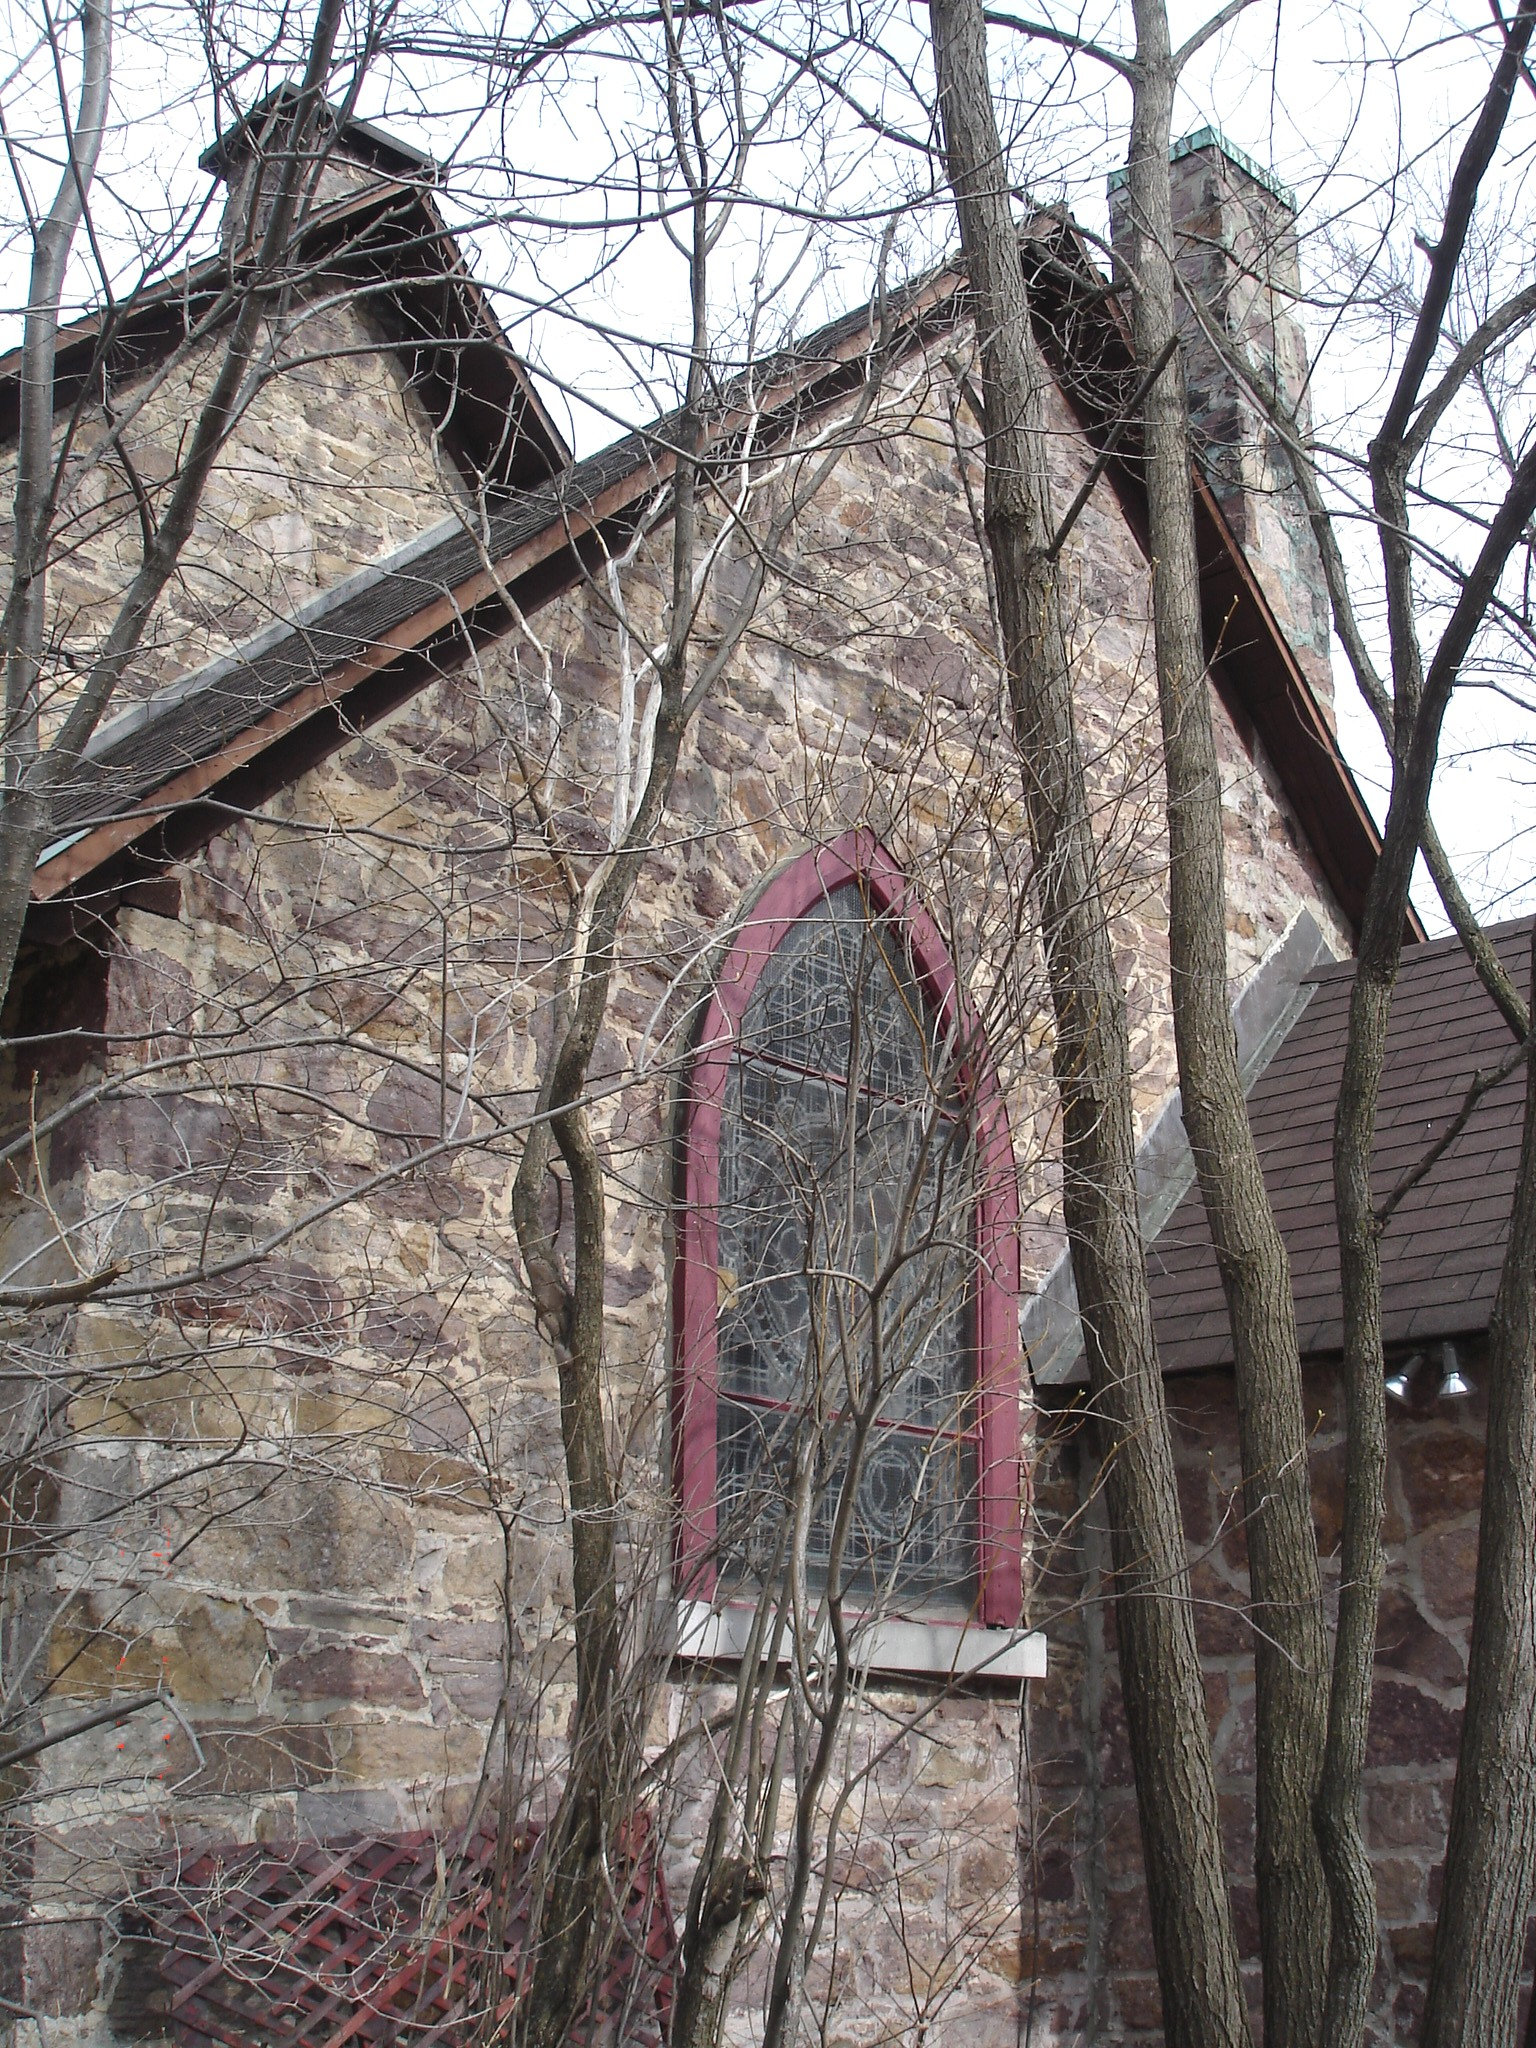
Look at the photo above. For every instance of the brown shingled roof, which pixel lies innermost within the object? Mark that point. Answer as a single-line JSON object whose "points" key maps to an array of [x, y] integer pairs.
{"points": [[1443, 1246]]}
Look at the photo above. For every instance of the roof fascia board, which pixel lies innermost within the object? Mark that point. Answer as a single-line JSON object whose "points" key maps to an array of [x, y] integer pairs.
{"points": [[1292, 712], [1298, 739], [1243, 636], [161, 316], [78, 858]]}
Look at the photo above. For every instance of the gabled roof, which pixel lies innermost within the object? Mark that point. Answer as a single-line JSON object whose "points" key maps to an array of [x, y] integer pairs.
{"points": [[394, 249], [1444, 1244], [356, 650], [149, 750], [170, 771], [352, 138]]}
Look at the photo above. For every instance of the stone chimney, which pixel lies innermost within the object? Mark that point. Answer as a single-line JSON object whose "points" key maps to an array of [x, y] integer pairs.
{"points": [[350, 155], [1236, 231]]}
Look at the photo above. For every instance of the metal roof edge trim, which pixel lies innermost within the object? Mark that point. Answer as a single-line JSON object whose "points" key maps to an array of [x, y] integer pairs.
{"points": [[313, 612], [1266, 1011]]}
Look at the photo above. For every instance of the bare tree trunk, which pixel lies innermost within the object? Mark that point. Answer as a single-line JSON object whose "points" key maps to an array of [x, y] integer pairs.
{"points": [[34, 448], [572, 1925], [37, 773], [1290, 1650], [1353, 1945], [1490, 1865], [1419, 699], [1165, 1711], [24, 811], [1351, 1885]]}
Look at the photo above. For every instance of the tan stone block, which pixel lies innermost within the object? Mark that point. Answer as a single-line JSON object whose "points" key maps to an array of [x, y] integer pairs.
{"points": [[309, 1534], [210, 1650], [105, 1337], [192, 1406], [404, 1752], [441, 1484], [342, 1415], [61, 1962], [92, 1658], [952, 1762], [203, 1649], [473, 1572]]}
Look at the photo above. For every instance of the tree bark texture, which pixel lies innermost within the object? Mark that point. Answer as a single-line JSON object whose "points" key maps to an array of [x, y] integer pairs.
{"points": [[52, 244], [1191, 1917], [1420, 697], [574, 1919], [1290, 1650], [1490, 1865], [24, 811]]}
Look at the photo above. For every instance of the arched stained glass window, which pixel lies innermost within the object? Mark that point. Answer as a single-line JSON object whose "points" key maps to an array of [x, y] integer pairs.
{"points": [[846, 1298]]}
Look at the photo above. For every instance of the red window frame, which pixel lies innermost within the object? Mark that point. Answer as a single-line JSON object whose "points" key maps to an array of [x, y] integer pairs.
{"points": [[857, 857]]}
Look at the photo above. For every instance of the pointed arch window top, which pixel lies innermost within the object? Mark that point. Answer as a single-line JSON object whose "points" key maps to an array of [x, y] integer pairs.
{"points": [[848, 1247]]}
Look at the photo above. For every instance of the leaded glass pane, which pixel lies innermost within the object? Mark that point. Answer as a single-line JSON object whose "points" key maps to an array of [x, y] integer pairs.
{"points": [[845, 1234], [839, 993]]}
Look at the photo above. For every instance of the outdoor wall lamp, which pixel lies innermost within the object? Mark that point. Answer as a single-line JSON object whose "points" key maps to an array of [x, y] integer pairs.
{"points": [[1399, 1382], [1454, 1384]]}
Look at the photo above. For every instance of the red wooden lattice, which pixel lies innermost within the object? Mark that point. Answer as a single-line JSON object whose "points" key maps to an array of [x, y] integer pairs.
{"points": [[384, 1941]]}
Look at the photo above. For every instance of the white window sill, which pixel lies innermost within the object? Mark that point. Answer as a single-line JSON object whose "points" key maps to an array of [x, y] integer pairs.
{"points": [[908, 1649]]}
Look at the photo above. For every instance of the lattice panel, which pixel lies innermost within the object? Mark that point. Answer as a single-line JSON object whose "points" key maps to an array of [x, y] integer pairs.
{"points": [[384, 1940]]}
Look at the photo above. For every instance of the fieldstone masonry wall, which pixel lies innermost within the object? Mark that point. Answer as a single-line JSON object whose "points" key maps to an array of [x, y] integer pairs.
{"points": [[331, 465], [1095, 1954]]}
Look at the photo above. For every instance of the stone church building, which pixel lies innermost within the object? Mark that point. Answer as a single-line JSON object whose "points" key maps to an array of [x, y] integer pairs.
{"points": [[296, 1498]]}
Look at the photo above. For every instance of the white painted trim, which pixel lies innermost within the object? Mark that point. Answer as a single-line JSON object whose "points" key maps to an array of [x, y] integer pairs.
{"points": [[913, 1649]]}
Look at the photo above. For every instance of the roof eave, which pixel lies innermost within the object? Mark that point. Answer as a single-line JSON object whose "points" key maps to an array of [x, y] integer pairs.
{"points": [[472, 358], [1270, 688]]}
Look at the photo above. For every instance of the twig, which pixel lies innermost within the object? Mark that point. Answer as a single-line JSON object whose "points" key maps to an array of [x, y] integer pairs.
{"points": [[66, 1292], [1477, 1088], [115, 1710]]}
